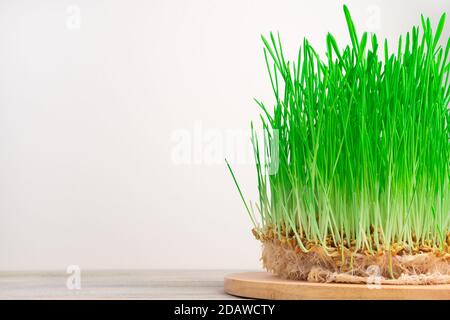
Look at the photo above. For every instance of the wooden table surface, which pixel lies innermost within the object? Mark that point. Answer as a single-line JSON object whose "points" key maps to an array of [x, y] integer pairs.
{"points": [[116, 284]]}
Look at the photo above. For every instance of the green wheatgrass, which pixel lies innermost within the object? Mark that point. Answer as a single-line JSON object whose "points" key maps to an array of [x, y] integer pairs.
{"points": [[363, 143]]}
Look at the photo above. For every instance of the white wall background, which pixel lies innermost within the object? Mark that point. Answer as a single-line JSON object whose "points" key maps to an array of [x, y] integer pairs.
{"points": [[93, 97]]}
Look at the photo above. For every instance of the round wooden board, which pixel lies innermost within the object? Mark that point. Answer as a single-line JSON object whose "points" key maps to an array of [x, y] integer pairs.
{"points": [[263, 285]]}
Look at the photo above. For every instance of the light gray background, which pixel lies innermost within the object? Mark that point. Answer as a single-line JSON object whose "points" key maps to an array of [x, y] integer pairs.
{"points": [[93, 119]]}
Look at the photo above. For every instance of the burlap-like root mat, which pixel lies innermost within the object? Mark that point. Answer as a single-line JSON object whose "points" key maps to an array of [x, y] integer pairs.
{"points": [[333, 265]]}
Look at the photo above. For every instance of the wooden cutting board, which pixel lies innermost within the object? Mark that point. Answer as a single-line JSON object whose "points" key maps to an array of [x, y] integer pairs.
{"points": [[263, 285]]}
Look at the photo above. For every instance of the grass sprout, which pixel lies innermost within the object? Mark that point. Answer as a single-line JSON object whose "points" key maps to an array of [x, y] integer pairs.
{"points": [[363, 142]]}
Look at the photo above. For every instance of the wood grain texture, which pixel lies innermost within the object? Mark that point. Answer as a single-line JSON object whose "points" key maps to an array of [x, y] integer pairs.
{"points": [[116, 284], [264, 285]]}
